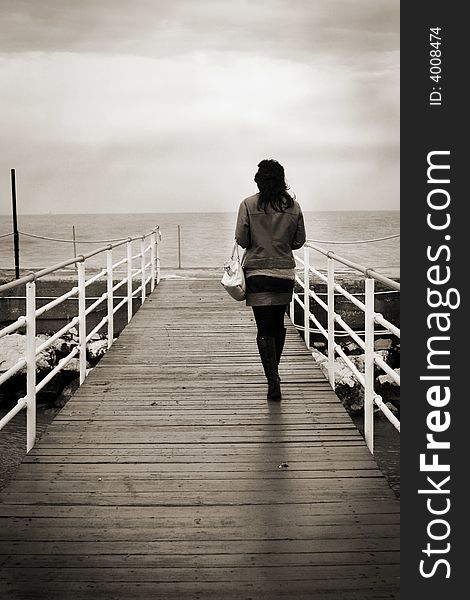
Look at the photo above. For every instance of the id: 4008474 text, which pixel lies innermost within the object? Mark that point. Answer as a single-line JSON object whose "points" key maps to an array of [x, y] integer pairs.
{"points": [[435, 65]]}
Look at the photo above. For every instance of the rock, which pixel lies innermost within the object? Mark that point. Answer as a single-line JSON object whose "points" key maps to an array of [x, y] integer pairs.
{"points": [[73, 366], [388, 389], [358, 361], [392, 408], [385, 355], [351, 347], [321, 360], [386, 379], [343, 375], [67, 393], [46, 360], [73, 334], [342, 371], [348, 389], [97, 349], [383, 344], [64, 346], [13, 348], [353, 402]]}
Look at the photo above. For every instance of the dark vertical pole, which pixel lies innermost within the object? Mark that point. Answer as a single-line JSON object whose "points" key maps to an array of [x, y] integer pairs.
{"points": [[16, 237], [179, 246]]}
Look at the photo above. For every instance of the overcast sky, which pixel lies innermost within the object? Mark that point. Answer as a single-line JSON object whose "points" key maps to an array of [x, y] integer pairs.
{"points": [[168, 105]]}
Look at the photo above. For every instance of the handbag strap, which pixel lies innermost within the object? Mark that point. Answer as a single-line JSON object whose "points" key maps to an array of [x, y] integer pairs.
{"points": [[237, 251]]}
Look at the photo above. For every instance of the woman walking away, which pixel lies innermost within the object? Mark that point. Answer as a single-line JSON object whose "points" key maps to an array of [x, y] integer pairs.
{"points": [[270, 225]]}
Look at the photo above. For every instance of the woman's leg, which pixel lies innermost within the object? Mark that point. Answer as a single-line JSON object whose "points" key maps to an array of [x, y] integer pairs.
{"points": [[265, 318], [279, 329], [270, 321], [278, 313]]}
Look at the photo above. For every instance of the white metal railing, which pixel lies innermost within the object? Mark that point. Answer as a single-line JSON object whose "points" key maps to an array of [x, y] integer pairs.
{"points": [[148, 273], [364, 340]]}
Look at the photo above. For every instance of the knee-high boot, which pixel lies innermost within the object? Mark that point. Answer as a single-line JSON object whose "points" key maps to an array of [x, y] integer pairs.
{"points": [[280, 338], [267, 352]]}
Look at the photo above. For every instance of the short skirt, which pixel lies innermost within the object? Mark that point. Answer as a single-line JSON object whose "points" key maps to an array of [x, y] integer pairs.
{"points": [[263, 290]]}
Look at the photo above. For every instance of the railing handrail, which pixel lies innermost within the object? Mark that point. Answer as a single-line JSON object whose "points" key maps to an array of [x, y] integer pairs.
{"points": [[354, 242], [73, 241], [371, 318], [367, 271], [66, 263], [28, 321]]}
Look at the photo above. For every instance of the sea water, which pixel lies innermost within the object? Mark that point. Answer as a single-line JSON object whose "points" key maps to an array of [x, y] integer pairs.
{"points": [[206, 239]]}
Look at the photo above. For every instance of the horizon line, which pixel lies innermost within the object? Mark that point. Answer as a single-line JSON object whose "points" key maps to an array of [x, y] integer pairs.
{"points": [[186, 212]]}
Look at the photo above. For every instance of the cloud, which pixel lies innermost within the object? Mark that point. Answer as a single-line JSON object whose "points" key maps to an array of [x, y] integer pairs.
{"points": [[97, 99], [162, 28], [163, 102]]}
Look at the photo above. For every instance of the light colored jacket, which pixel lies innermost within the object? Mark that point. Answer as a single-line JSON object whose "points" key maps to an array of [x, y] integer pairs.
{"points": [[269, 237]]}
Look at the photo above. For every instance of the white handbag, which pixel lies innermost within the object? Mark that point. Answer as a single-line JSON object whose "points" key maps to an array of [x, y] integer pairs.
{"points": [[233, 278]]}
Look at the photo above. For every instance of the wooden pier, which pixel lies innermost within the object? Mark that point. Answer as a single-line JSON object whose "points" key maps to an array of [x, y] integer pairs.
{"points": [[169, 476]]}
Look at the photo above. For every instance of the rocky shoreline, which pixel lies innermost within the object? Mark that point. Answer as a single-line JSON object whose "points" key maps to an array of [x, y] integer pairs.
{"points": [[387, 346], [348, 389], [62, 386]]}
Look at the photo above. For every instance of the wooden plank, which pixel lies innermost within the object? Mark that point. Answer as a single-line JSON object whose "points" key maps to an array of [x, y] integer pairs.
{"points": [[352, 510], [279, 572], [162, 477], [173, 468], [266, 559], [190, 518], [195, 590], [152, 534], [197, 547]]}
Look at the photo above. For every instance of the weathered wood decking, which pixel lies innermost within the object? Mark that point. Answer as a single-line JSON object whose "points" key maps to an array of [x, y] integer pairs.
{"points": [[161, 478]]}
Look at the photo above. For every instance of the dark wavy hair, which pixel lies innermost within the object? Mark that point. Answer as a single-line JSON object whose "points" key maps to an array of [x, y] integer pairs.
{"points": [[273, 189]]}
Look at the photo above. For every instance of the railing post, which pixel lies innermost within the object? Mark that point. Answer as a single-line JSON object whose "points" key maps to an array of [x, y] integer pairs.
{"points": [[30, 365], [306, 297], [153, 260], [369, 365], [82, 320], [331, 321], [129, 280], [110, 295], [157, 253], [292, 310], [142, 268]]}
